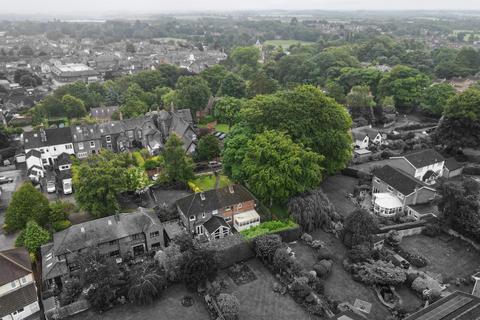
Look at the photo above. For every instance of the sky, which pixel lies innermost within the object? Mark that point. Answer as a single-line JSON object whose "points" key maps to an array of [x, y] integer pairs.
{"points": [[159, 6]]}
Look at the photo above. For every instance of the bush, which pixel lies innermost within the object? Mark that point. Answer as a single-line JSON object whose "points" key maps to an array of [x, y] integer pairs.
{"points": [[70, 292], [198, 266], [266, 246], [299, 289], [432, 230], [323, 268], [152, 163], [229, 306], [360, 253], [324, 253], [268, 227], [282, 260], [61, 225], [393, 238], [425, 282]]}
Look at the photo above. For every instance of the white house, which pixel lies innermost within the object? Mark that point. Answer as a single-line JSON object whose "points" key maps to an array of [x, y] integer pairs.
{"points": [[364, 136], [18, 293], [424, 165], [50, 142]]}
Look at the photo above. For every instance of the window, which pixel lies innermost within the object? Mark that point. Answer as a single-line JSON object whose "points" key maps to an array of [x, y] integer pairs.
{"points": [[199, 229], [139, 134], [24, 279], [80, 145], [108, 139], [42, 151], [228, 219], [137, 236], [18, 311], [229, 208], [215, 212], [389, 188], [156, 245], [113, 242], [130, 134], [92, 144], [54, 148], [377, 180], [192, 218], [203, 215], [68, 146], [114, 253], [154, 234], [400, 195], [13, 284], [239, 206]]}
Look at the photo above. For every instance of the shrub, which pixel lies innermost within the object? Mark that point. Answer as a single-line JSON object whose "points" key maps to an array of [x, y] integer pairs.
{"points": [[423, 282], [379, 273], [360, 253], [324, 253], [268, 227], [393, 238], [229, 306], [61, 225], [198, 266], [323, 268], [432, 230], [282, 260], [299, 289], [266, 246], [70, 292], [152, 163], [137, 156]]}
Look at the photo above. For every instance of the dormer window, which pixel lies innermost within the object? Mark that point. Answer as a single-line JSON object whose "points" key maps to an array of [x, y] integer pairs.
{"points": [[192, 218], [202, 196]]}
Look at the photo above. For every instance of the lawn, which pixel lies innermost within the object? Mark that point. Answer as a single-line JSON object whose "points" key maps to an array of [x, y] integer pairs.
{"points": [[336, 188], [451, 257], [285, 44], [168, 307], [339, 284], [268, 227], [222, 127], [207, 182], [257, 299]]}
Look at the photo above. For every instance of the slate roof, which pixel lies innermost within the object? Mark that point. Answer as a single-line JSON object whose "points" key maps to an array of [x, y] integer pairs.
{"points": [[458, 305], [186, 115], [425, 208], [85, 132], [34, 153], [14, 264], [452, 164], [103, 230], [17, 299], [52, 267], [103, 112], [422, 158], [348, 315], [360, 133], [214, 223], [397, 179], [54, 136], [63, 158], [214, 199]]}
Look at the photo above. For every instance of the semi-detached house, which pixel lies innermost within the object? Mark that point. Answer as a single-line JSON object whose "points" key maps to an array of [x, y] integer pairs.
{"points": [[18, 293], [50, 142]]}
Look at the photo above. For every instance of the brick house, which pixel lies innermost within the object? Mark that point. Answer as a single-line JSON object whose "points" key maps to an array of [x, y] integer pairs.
{"points": [[121, 236], [393, 190], [232, 204], [424, 165]]}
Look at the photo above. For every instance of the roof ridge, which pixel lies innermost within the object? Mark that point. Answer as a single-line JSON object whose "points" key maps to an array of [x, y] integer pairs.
{"points": [[15, 262]]}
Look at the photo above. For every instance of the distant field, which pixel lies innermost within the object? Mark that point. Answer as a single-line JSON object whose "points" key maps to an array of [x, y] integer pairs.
{"points": [[287, 43]]}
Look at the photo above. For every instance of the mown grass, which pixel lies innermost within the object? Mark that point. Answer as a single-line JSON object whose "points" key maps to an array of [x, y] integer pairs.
{"points": [[268, 227]]}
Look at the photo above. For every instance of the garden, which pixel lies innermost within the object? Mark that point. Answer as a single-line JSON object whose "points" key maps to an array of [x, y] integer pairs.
{"points": [[268, 227], [208, 182]]}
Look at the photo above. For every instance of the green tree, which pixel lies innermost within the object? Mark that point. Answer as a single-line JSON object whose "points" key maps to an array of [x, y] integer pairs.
{"points": [[178, 166], [461, 115], [360, 226], [276, 168], [27, 204], [192, 92], [298, 112], [214, 76], [226, 109], [361, 103], [261, 83], [98, 182], [208, 148], [34, 236], [136, 179], [435, 98], [245, 56], [405, 84], [74, 107], [198, 266], [234, 152], [232, 86]]}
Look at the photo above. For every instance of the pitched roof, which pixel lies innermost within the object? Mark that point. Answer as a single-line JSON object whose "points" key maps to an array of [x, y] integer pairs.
{"points": [[458, 305], [52, 267], [349, 315], [17, 299], [91, 233], [360, 133], [397, 179], [214, 199], [14, 264], [452, 164], [422, 158], [34, 153], [53, 137], [214, 223], [85, 132]]}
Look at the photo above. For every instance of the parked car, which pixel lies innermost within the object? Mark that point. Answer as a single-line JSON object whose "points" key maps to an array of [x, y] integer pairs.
{"points": [[51, 188], [214, 164], [4, 179]]}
